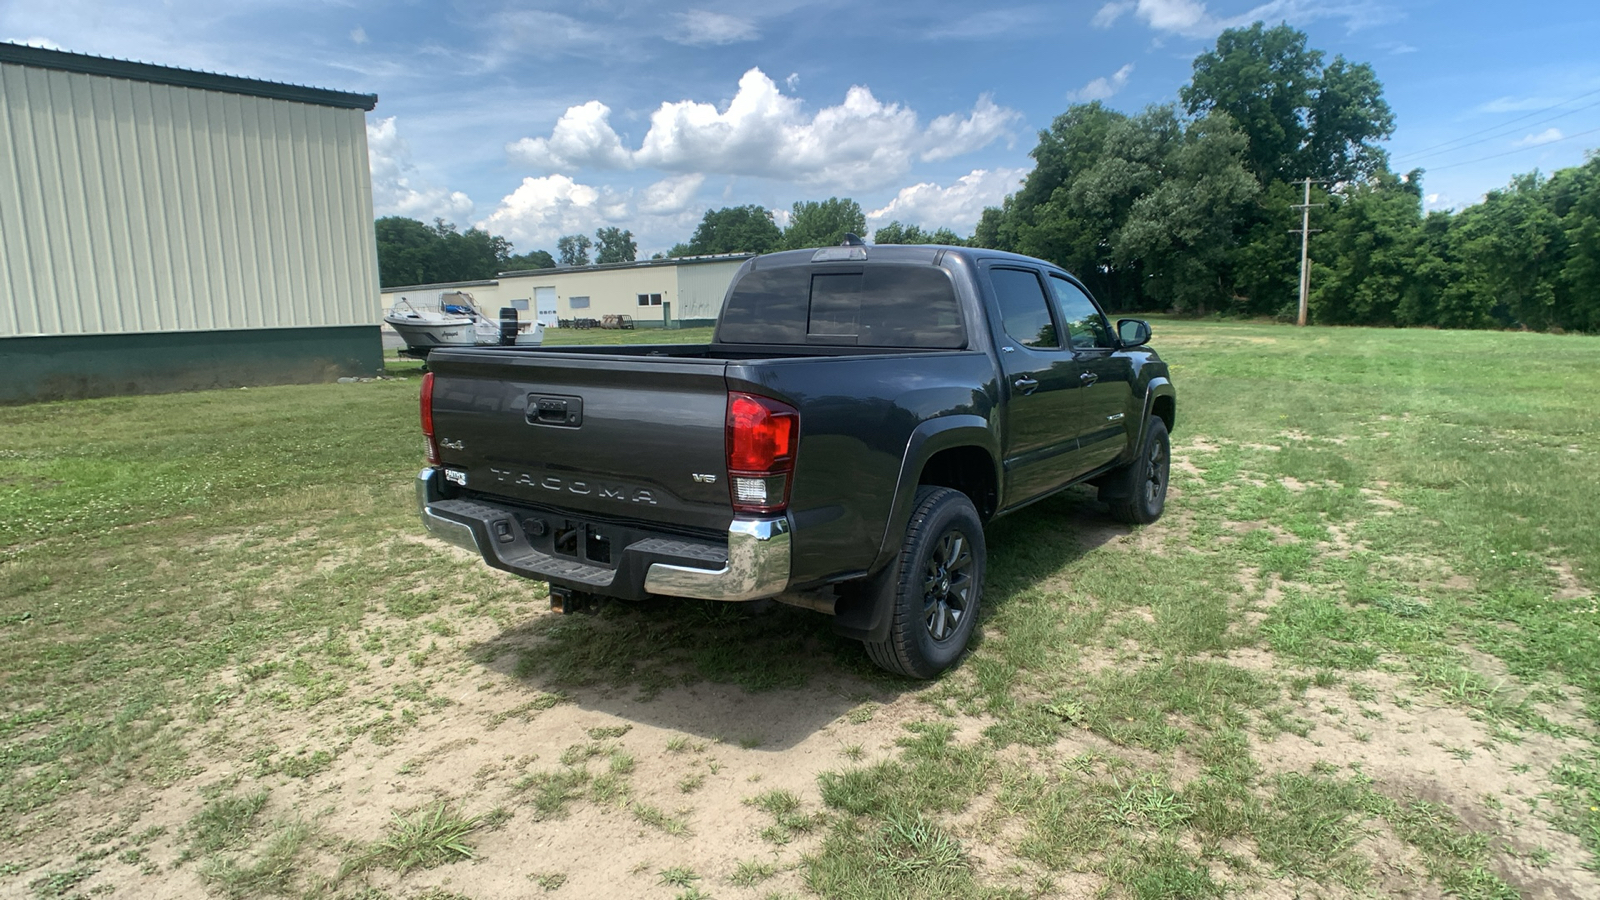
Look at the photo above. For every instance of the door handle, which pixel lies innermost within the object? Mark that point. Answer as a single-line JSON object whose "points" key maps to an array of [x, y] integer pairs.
{"points": [[1026, 385], [1088, 378]]}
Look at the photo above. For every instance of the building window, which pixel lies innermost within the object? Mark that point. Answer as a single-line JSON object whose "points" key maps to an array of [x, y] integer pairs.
{"points": [[579, 302], [649, 299], [521, 304]]}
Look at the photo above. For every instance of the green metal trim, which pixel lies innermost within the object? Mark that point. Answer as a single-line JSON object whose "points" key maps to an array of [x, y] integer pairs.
{"points": [[83, 63], [67, 367]]}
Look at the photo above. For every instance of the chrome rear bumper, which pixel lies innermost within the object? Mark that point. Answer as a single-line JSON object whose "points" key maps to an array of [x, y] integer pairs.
{"points": [[758, 566], [756, 563]]}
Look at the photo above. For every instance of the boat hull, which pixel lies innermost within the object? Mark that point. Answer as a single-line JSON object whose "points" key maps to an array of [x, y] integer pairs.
{"points": [[422, 334]]}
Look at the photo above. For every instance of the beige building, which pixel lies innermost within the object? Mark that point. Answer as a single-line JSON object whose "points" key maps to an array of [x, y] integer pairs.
{"points": [[657, 293], [164, 229]]}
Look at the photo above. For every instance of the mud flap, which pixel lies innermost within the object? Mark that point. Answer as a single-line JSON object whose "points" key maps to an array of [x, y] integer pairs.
{"points": [[866, 607]]}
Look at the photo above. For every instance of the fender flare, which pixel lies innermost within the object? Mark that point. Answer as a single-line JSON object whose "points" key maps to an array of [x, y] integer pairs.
{"points": [[1159, 386], [864, 614]]}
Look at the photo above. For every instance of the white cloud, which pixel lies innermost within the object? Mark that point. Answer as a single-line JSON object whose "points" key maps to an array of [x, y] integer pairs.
{"points": [[358, 34], [957, 207], [396, 188], [1512, 104], [1110, 13], [1102, 88], [699, 28], [994, 23], [670, 195], [1549, 135], [542, 209], [951, 135], [793, 81], [582, 137], [1182, 16], [860, 144], [1191, 19]]}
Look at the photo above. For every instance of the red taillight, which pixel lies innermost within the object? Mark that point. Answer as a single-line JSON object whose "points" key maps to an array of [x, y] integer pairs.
{"points": [[761, 441], [427, 418]]}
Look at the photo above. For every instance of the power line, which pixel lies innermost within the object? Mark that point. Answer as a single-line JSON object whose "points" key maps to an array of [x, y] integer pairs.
{"points": [[1510, 152], [1503, 129], [1537, 112]]}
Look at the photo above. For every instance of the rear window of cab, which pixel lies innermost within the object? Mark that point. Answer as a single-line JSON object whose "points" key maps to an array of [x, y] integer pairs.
{"points": [[879, 305]]}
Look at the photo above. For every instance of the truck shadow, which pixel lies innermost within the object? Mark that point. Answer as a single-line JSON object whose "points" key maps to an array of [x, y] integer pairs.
{"points": [[767, 672], [718, 671]]}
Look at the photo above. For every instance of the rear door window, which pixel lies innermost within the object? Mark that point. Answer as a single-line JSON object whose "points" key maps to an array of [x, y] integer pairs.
{"points": [[1024, 311]]}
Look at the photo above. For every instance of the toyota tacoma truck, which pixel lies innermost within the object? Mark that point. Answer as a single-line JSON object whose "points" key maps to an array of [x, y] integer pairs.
{"points": [[859, 414]]}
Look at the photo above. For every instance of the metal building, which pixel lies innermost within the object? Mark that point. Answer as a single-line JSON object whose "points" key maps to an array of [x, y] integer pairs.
{"points": [[656, 293], [163, 229]]}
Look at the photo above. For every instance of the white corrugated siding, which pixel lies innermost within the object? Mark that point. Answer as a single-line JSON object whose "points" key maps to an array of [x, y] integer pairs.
{"points": [[127, 206]]}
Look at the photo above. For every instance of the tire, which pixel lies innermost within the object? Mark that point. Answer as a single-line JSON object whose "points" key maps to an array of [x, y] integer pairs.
{"points": [[937, 584], [1138, 493]]}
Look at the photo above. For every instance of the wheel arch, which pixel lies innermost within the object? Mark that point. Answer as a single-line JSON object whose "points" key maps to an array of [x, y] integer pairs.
{"points": [[959, 452]]}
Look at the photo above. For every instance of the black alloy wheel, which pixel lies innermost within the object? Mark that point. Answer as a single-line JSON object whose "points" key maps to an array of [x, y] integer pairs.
{"points": [[935, 588], [948, 587]]}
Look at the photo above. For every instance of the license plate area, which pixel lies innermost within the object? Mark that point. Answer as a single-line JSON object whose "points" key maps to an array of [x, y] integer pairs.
{"points": [[589, 542]]}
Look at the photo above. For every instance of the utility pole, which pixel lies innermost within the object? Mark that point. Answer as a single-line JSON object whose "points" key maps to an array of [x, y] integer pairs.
{"points": [[1305, 233]]}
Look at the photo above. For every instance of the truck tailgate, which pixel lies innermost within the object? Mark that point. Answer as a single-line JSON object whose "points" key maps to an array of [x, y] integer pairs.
{"points": [[629, 437]]}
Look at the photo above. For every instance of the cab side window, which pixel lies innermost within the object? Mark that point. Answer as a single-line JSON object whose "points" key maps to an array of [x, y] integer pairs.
{"points": [[1086, 327], [1024, 311]]}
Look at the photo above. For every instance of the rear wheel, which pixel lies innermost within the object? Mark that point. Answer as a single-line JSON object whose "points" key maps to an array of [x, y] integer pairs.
{"points": [[1138, 494], [938, 584]]}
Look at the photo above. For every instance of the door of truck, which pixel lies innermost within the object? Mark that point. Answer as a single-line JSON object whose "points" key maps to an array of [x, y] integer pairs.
{"points": [[1104, 378], [1039, 383]]}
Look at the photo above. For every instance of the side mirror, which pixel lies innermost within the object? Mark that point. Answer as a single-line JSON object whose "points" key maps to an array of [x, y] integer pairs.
{"points": [[1133, 332]]}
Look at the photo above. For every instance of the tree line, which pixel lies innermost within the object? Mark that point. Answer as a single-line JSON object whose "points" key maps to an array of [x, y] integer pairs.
{"points": [[410, 252], [1191, 208]]}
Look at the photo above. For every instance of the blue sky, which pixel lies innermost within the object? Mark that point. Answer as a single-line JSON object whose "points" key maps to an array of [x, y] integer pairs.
{"points": [[537, 119]]}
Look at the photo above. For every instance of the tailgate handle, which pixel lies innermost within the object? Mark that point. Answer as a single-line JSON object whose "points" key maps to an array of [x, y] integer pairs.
{"points": [[562, 412]]}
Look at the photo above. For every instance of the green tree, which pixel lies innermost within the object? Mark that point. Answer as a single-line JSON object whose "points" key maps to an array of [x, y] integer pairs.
{"points": [[1266, 274], [898, 233], [574, 249], [1367, 270], [614, 245], [733, 229], [1180, 230], [1514, 251], [1303, 119], [1090, 165], [405, 251], [410, 252], [533, 259], [823, 224], [1575, 197]]}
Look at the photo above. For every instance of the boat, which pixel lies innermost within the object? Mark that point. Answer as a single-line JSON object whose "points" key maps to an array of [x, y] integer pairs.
{"points": [[454, 320]]}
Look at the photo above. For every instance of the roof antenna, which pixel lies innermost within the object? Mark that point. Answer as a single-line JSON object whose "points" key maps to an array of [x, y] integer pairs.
{"points": [[851, 239]]}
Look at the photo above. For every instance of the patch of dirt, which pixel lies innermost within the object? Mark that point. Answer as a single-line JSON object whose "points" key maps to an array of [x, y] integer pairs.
{"points": [[1182, 463], [480, 730], [1412, 746], [1568, 585]]}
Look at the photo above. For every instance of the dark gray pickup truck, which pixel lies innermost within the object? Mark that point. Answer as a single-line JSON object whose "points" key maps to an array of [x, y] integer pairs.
{"points": [[859, 415]]}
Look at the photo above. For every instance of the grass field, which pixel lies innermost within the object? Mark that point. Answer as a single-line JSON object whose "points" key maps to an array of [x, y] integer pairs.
{"points": [[1359, 656]]}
